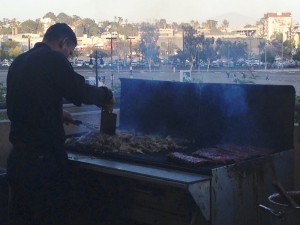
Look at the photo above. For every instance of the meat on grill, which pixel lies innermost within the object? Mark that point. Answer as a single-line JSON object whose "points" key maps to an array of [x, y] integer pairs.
{"points": [[215, 155], [122, 143], [220, 154], [182, 158]]}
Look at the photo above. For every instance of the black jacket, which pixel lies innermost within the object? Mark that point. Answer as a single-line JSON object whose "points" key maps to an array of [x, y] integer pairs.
{"points": [[37, 83]]}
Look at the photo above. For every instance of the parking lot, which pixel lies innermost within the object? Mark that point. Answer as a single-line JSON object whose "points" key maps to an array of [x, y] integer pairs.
{"points": [[272, 77]]}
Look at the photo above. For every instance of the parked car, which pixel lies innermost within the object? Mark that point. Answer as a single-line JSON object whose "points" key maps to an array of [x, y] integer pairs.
{"points": [[79, 63], [5, 64]]}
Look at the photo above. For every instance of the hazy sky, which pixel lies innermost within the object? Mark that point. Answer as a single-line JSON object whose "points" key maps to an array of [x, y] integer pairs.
{"points": [[146, 10]]}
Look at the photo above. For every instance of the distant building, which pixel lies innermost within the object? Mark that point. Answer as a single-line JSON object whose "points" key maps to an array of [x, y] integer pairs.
{"points": [[47, 22], [280, 22], [166, 32], [169, 42]]}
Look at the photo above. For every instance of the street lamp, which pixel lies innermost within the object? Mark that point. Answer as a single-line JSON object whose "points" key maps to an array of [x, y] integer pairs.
{"points": [[228, 55], [111, 49], [282, 53], [265, 57], [29, 42], [249, 34], [130, 47]]}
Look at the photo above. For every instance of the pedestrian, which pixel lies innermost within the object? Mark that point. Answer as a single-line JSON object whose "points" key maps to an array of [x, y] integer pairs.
{"points": [[37, 168], [228, 74]]}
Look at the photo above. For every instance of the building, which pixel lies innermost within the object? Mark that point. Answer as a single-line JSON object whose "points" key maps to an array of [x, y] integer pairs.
{"points": [[169, 42], [280, 22]]}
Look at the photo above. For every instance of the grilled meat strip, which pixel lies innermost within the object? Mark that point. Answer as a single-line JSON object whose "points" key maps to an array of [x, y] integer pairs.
{"points": [[122, 143], [182, 158]]}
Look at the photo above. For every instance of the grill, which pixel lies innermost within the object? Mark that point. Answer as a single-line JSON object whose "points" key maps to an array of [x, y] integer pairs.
{"points": [[164, 192]]}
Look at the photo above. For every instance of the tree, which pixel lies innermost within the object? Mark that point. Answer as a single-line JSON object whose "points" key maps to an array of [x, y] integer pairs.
{"points": [[280, 47], [120, 20], [211, 24], [269, 57], [148, 46], [195, 24], [50, 15], [64, 18], [296, 57], [13, 52], [29, 26], [225, 24], [9, 50], [76, 18], [162, 24], [90, 27], [190, 42], [261, 46], [208, 50]]}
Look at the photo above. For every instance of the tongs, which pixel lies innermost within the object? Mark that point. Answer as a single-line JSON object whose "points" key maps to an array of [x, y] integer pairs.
{"points": [[283, 193], [86, 125]]}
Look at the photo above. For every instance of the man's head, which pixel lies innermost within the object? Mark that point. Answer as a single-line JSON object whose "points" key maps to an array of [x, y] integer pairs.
{"points": [[60, 37]]}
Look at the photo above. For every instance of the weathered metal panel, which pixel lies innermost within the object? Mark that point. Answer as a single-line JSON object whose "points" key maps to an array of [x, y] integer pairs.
{"points": [[237, 190]]}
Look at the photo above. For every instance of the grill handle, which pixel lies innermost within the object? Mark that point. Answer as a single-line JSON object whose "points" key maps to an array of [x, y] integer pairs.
{"points": [[278, 186], [278, 213]]}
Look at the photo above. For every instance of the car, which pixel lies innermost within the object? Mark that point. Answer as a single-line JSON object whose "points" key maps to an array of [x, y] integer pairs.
{"points": [[92, 81], [79, 62], [5, 64]]}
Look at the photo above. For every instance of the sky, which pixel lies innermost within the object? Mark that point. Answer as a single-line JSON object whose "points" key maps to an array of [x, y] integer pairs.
{"points": [[146, 10]]}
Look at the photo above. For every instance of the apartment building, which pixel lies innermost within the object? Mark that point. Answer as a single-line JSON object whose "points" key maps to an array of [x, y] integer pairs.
{"points": [[280, 22]]}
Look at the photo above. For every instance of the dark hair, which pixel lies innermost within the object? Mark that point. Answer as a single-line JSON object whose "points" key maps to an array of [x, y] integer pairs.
{"points": [[59, 31]]}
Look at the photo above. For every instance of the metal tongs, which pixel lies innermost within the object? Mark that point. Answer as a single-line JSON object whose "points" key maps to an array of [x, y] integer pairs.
{"points": [[86, 125], [282, 192]]}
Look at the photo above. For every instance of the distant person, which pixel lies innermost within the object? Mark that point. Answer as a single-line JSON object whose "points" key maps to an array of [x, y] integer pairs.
{"points": [[37, 168], [228, 74]]}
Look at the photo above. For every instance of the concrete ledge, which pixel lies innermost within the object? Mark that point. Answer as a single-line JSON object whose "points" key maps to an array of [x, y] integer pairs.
{"points": [[5, 145]]}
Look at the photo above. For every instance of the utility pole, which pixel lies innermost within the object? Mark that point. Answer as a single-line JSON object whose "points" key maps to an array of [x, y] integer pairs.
{"points": [[282, 52], [266, 57], [29, 44], [111, 50], [130, 47], [96, 64], [228, 56]]}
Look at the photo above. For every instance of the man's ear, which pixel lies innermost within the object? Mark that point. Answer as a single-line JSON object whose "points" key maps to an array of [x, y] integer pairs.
{"points": [[62, 42]]}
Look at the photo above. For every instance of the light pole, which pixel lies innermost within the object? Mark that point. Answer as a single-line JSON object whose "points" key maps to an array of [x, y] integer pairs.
{"points": [[228, 55], [96, 68], [282, 53], [111, 49], [29, 42], [130, 48], [266, 57], [250, 34]]}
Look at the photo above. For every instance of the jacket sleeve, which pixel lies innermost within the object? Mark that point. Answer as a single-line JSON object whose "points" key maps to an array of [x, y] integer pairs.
{"points": [[98, 96], [73, 88]]}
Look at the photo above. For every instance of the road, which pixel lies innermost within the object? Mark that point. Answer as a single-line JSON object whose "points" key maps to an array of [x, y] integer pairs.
{"points": [[271, 77]]}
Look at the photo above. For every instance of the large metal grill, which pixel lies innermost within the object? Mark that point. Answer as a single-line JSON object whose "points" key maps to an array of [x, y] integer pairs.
{"points": [[260, 116]]}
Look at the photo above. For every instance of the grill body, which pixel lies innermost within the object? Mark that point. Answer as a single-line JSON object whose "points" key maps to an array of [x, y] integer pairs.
{"points": [[208, 115]]}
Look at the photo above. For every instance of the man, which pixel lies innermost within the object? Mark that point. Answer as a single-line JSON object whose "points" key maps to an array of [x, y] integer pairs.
{"points": [[37, 168]]}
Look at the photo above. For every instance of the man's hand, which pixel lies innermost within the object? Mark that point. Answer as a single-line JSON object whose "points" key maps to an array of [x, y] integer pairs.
{"points": [[110, 106]]}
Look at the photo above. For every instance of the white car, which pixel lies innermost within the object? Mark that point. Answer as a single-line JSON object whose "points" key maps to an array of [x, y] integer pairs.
{"points": [[79, 63], [5, 64], [92, 81]]}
